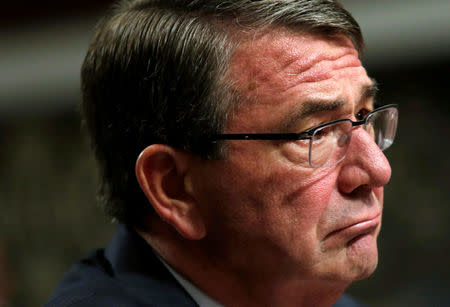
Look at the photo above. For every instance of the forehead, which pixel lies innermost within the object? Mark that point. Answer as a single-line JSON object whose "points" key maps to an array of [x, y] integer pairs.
{"points": [[281, 67], [283, 58]]}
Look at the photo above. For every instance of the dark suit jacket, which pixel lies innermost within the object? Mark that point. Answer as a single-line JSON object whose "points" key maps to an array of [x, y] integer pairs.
{"points": [[126, 273]]}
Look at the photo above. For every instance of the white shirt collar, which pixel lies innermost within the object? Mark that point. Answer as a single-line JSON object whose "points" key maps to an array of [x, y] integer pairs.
{"points": [[198, 295]]}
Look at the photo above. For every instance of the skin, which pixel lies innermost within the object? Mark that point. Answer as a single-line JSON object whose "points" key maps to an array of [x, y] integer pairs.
{"points": [[266, 229]]}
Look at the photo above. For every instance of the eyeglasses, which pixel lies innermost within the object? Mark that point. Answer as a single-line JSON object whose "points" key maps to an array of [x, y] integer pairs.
{"points": [[326, 145]]}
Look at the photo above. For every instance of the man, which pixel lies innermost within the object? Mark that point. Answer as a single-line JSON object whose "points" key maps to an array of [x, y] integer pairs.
{"points": [[239, 146]]}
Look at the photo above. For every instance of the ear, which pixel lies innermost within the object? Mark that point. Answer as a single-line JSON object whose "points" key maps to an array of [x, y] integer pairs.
{"points": [[163, 174]]}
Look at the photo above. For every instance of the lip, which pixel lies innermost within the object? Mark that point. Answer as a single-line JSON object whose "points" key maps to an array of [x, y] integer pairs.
{"points": [[353, 231]]}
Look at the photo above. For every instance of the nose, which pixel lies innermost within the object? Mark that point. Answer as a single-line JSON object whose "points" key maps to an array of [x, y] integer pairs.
{"points": [[365, 164]]}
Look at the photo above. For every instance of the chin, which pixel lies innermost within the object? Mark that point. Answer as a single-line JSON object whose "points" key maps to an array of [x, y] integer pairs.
{"points": [[356, 261], [364, 271], [362, 258]]}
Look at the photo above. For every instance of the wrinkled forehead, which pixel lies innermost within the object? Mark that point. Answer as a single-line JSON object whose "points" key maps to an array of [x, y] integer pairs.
{"points": [[281, 72], [281, 58]]}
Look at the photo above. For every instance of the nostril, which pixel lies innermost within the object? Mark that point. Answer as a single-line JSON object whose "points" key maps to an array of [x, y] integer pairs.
{"points": [[361, 192]]}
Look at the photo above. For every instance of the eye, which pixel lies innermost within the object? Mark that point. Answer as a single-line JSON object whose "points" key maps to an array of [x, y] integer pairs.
{"points": [[362, 114], [321, 134]]}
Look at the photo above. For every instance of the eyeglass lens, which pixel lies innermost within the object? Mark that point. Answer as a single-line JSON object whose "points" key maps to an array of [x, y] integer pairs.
{"points": [[383, 126], [329, 144]]}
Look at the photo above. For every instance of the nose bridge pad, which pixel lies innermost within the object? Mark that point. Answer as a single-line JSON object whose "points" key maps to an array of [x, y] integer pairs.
{"points": [[344, 140]]}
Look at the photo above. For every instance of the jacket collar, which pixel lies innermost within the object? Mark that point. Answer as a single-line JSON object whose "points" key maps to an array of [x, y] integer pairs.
{"points": [[135, 264]]}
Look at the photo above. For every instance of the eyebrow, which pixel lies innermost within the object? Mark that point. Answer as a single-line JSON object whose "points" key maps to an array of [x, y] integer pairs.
{"points": [[309, 108], [370, 91]]}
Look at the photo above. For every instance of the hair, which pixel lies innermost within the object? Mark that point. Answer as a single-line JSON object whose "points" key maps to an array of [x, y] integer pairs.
{"points": [[155, 73]]}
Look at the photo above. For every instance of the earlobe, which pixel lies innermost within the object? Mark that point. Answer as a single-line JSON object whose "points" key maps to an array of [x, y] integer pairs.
{"points": [[163, 174]]}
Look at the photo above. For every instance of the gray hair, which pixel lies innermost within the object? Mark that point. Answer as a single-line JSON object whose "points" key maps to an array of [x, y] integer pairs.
{"points": [[155, 73]]}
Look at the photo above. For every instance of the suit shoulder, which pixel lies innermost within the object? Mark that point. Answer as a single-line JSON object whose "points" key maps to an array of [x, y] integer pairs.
{"points": [[91, 282]]}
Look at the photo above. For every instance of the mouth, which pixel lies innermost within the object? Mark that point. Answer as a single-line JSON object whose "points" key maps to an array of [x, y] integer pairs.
{"points": [[351, 233]]}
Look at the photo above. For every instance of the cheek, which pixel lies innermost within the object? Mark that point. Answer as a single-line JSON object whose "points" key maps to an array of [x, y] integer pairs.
{"points": [[319, 191], [303, 194], [268, 188], [312, 196]]}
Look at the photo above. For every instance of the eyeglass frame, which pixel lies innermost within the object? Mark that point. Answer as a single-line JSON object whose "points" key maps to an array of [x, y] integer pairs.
{"points": [[296, 136]]}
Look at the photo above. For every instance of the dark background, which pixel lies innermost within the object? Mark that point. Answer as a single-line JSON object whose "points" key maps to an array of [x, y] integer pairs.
{"points": [[48, 212]]}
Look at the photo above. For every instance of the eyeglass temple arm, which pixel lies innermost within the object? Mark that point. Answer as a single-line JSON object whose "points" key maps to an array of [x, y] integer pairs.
{"points": [[262, 136]]}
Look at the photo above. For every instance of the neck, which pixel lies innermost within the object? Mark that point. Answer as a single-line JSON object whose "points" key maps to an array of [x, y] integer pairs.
{"points": [[233, 287]]}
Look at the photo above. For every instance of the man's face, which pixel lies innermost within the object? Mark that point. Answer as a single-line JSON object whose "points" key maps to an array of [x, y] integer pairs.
{"points": [[267, 211]]}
